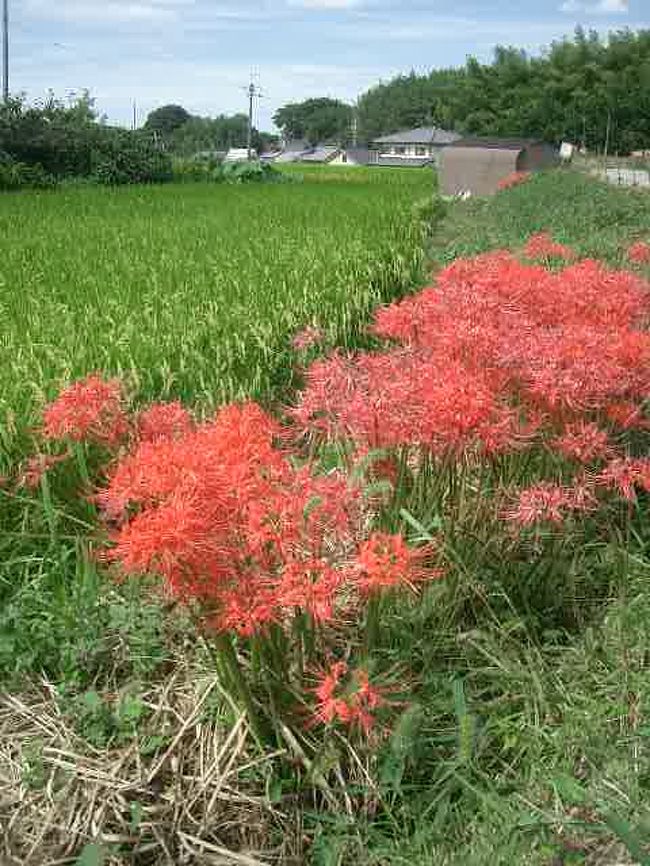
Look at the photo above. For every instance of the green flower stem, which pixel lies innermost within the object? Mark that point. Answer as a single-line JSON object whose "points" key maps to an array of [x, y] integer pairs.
{"points": [[372, 622], [228, 655]]}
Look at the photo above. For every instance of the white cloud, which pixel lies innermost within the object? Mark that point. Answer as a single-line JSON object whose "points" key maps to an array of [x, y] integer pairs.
{"points": [[602, 7], [324, 4], [113, 11], [614, 6]]}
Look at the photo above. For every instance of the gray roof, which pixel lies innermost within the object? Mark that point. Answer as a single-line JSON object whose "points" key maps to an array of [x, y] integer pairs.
{"points": [[421, 135], [320, 154], [290, 156]]}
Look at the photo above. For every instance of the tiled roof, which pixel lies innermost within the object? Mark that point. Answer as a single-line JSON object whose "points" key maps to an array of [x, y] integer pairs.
{"points": [[421, 135]]}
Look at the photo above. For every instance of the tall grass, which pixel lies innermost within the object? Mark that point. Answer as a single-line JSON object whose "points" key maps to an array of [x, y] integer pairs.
{"points": [[191, 292]]}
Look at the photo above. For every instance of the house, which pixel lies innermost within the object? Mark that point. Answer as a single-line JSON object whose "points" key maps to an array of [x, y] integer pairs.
{"points": [[476, 165], [293, 150], [412, 147]]}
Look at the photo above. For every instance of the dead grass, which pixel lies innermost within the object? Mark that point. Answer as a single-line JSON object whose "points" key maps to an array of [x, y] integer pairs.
{"points": [[197, 799]]}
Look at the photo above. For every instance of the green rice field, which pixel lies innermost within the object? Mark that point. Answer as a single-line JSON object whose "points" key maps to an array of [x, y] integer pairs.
{"points": [[194, 291]]}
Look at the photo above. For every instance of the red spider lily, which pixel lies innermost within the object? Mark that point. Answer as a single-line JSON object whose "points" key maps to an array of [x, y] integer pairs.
{"points": [[625, 474], [639, 253], [513, 179], [90, 410], [627, 415], [38, 466], [307, 338], [583, 442], [542, 246], [407, 397], [311, 585], [548, 502], [182, 540], [492, 346], [347, 697], [386, 562], [223, 515], [163, 421], [247, 607]]}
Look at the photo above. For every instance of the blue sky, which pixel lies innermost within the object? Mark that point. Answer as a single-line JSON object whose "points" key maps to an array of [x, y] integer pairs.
{"points": [[201, 53]]}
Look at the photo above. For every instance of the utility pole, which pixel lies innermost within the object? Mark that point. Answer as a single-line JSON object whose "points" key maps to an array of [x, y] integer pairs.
{"points": [[355, 129], [135, 115], [252, 92], [5, 50]]}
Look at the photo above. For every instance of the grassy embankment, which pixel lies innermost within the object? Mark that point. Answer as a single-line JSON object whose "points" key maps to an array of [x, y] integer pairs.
{"points": [[526, 741]]}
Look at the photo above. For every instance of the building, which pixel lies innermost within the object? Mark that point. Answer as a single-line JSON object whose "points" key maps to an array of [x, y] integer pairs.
{"points": [[413, 147], [293, 150], [322, 153], [476, 165], [353, 156], [239, 154]]}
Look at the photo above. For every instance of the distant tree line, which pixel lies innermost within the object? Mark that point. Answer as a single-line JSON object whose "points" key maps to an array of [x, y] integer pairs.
{"points": [[584, 89], [185, 134]]}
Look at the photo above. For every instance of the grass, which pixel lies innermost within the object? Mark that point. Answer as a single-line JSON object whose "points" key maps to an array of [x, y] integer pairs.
{"points": [[596, 220], [192, 291], [528, 739]]}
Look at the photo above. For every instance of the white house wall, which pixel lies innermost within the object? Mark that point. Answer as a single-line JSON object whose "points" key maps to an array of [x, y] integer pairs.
{"points": [[410, 151]]}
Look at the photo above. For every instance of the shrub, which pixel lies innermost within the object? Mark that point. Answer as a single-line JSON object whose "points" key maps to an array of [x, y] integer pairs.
{"points": [[126, 157], [55, 141], [18, 175], [251, 172], [197, 169]]}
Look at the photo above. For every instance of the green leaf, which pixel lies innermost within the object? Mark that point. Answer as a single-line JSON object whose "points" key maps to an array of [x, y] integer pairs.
{"points": [[569, 789], [93, 854], [425, 532], [91, 701], [628, 836], [136, 815]]}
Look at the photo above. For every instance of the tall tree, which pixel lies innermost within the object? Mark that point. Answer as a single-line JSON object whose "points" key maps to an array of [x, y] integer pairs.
{"points": [[317, 120], [583, 89], [166, 119]]}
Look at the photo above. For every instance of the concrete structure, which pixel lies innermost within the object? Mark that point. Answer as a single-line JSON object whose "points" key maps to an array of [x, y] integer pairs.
{"points": [[353, 156], [413, 147], [476, 165], [239, 154], [627, 177]]}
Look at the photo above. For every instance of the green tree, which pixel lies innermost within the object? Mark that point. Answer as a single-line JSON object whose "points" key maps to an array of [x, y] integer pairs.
{"points": [[166, 119], [317, 120], [583, 89], [58, 140]]}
